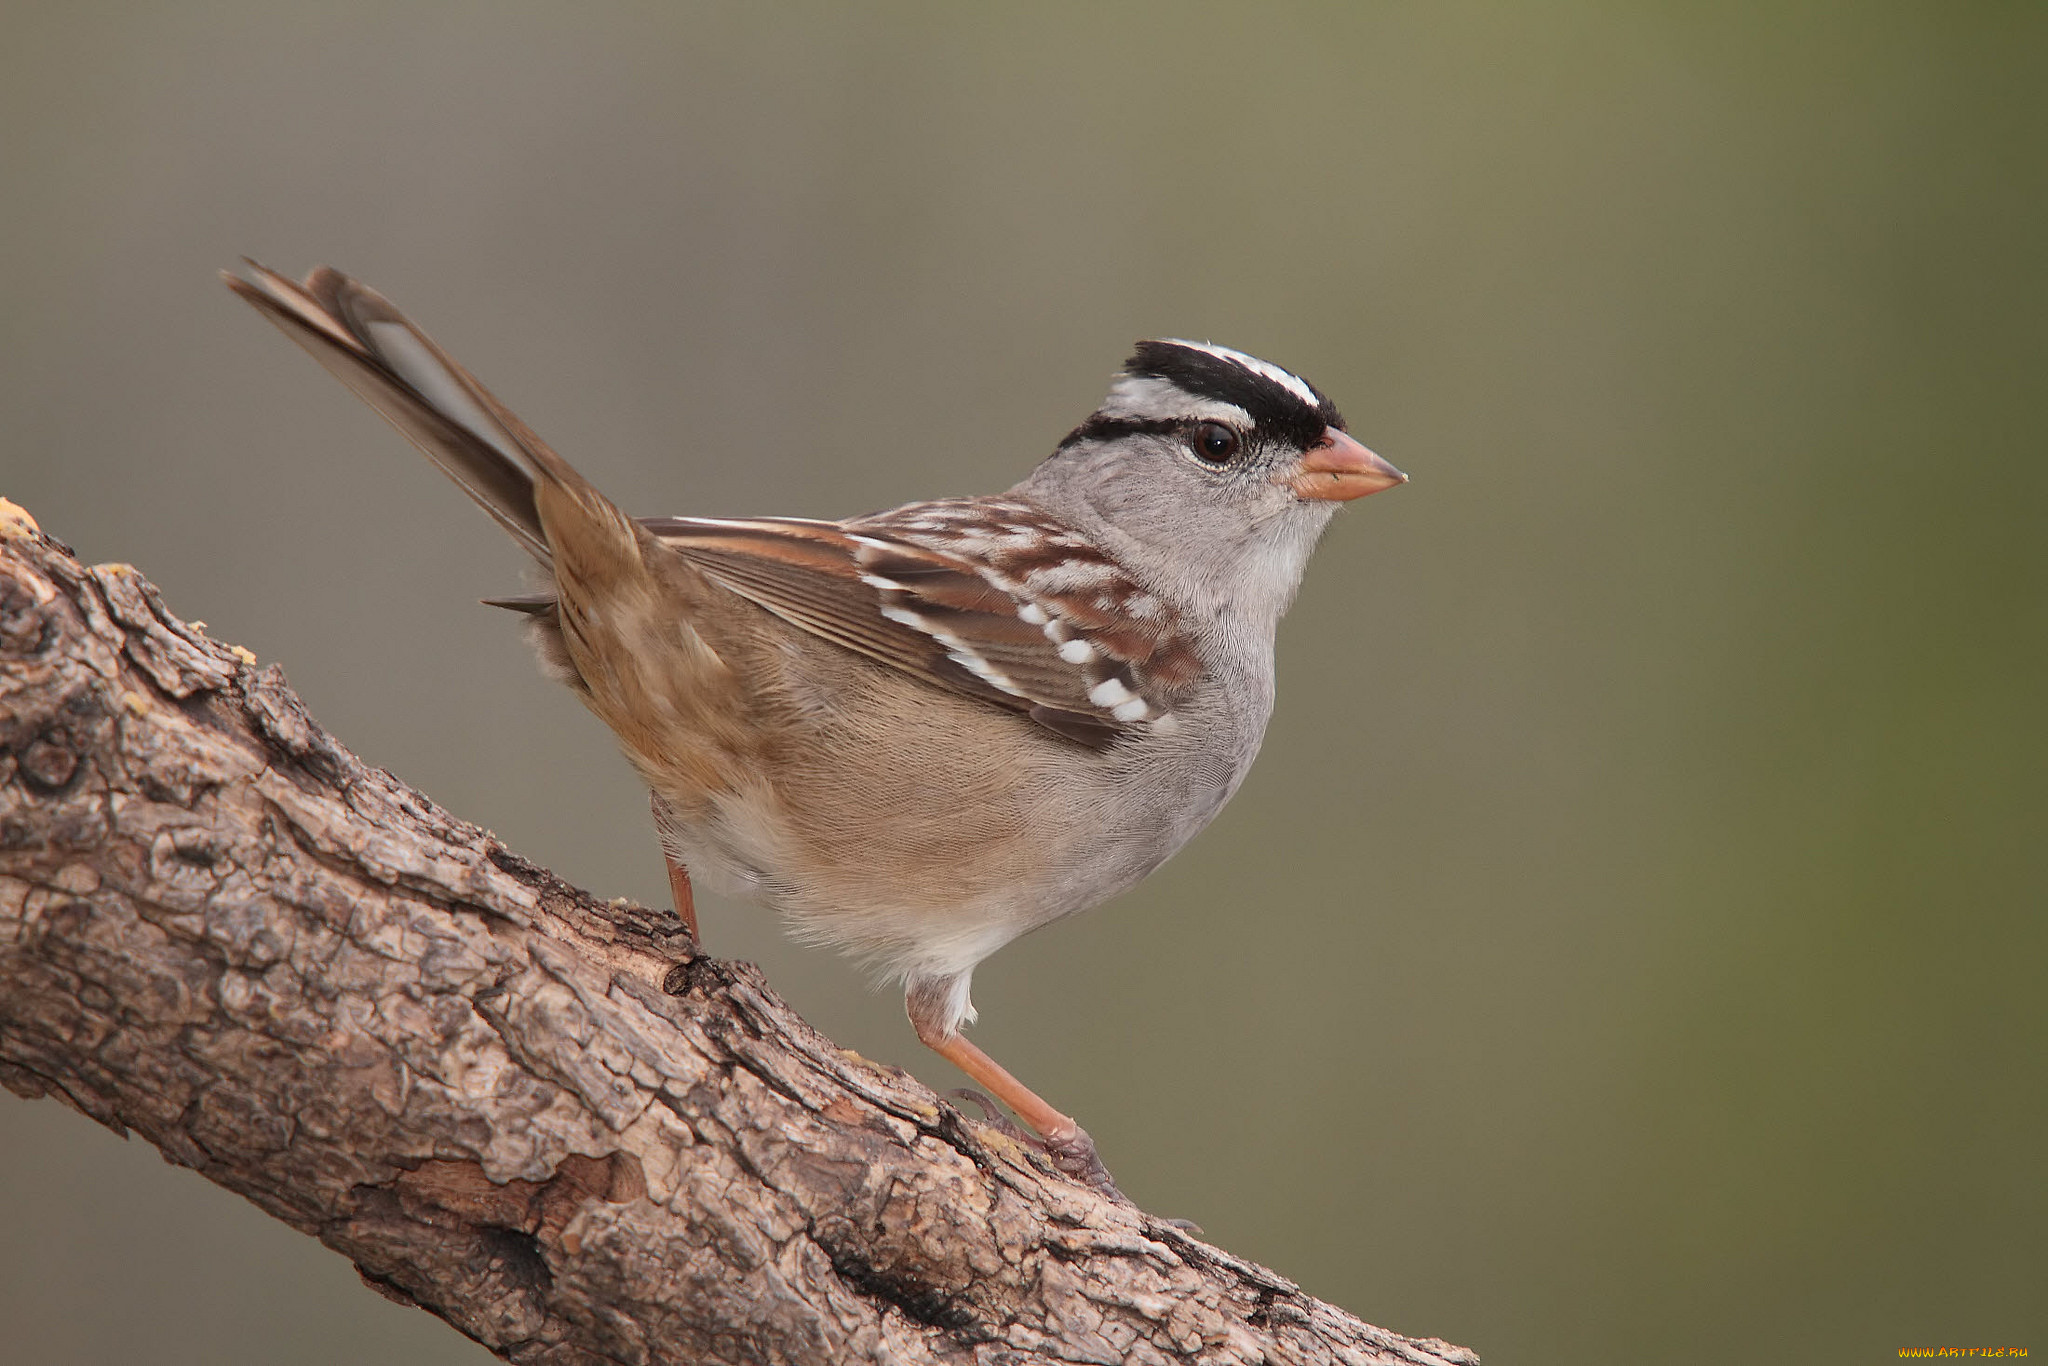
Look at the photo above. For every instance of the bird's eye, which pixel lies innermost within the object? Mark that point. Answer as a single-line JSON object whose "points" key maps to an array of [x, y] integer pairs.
{"points": [[1216, 443]]}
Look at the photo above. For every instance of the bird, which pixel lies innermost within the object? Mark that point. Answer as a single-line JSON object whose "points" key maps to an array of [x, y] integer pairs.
{"points": [[919, 733]]}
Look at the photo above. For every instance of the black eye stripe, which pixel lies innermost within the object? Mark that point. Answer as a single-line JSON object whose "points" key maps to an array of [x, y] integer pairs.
{"points": [[1100, 428]]}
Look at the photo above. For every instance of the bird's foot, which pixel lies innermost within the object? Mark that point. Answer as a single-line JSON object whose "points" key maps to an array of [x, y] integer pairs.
{"points": [[1073, 1155]]}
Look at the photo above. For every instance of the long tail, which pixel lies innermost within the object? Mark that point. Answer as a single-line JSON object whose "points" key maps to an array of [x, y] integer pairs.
{"points": [[440, 407], [613, 622]]}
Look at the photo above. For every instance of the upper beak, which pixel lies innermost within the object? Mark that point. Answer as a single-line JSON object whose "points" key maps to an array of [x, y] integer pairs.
{"points": [[1338, 469]]}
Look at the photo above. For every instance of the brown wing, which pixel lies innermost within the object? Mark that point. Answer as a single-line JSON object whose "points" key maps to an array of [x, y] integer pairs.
{"points": [[940, 616], [1127, 642]]}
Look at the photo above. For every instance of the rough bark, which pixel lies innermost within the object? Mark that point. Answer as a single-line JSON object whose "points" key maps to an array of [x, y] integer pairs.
{"points": [[542, 1117]]}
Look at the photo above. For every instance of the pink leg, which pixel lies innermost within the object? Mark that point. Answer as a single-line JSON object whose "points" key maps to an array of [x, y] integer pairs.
{"points": [[678, 883], [1067, 1143]]}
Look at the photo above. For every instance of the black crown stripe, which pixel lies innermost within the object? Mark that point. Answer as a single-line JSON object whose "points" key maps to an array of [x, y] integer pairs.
{"points": [[1275, 409]]}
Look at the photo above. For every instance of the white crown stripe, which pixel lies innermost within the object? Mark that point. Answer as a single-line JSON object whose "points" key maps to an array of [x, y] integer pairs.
{"points": [[1293, 383]]}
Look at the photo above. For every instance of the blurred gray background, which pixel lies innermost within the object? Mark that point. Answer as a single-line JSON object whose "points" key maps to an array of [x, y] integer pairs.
{"points": [[1630, 946]]}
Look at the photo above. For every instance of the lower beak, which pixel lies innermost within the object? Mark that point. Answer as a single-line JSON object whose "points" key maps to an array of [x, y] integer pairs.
{"points": [[1338, 469]]}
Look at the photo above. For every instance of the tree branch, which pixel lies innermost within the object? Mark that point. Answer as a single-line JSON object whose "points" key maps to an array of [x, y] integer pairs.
{"points": [[544, 1118]]}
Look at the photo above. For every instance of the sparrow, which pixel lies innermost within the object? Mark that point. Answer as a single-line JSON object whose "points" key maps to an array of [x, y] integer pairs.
{"points": [[920, 733]]}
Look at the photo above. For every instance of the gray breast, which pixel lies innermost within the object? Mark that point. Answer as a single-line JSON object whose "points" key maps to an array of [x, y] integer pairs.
{"points": [[1154, 793]]}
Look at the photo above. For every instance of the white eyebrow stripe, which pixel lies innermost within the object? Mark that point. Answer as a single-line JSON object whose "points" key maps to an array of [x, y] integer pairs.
{"points": [[1148, 397], [1292, 383]]}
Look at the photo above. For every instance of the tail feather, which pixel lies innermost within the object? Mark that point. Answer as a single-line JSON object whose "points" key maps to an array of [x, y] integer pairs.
{"points": [[527, 604], [440, 407], [623, 618]]}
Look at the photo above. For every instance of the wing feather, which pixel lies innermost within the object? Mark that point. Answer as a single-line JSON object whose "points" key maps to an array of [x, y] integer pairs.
{"points": [[937, 615], [805, 573]]}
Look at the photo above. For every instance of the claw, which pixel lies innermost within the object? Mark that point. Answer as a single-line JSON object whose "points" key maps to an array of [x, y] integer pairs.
{"points": [[1075, 1156]]}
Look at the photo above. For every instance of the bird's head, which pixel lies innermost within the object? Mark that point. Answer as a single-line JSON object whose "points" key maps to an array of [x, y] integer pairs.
{"points": [[1212, 462]]}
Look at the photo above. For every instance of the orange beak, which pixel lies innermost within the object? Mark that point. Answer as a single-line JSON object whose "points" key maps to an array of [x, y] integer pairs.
{"points": [[1338, 469]]}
